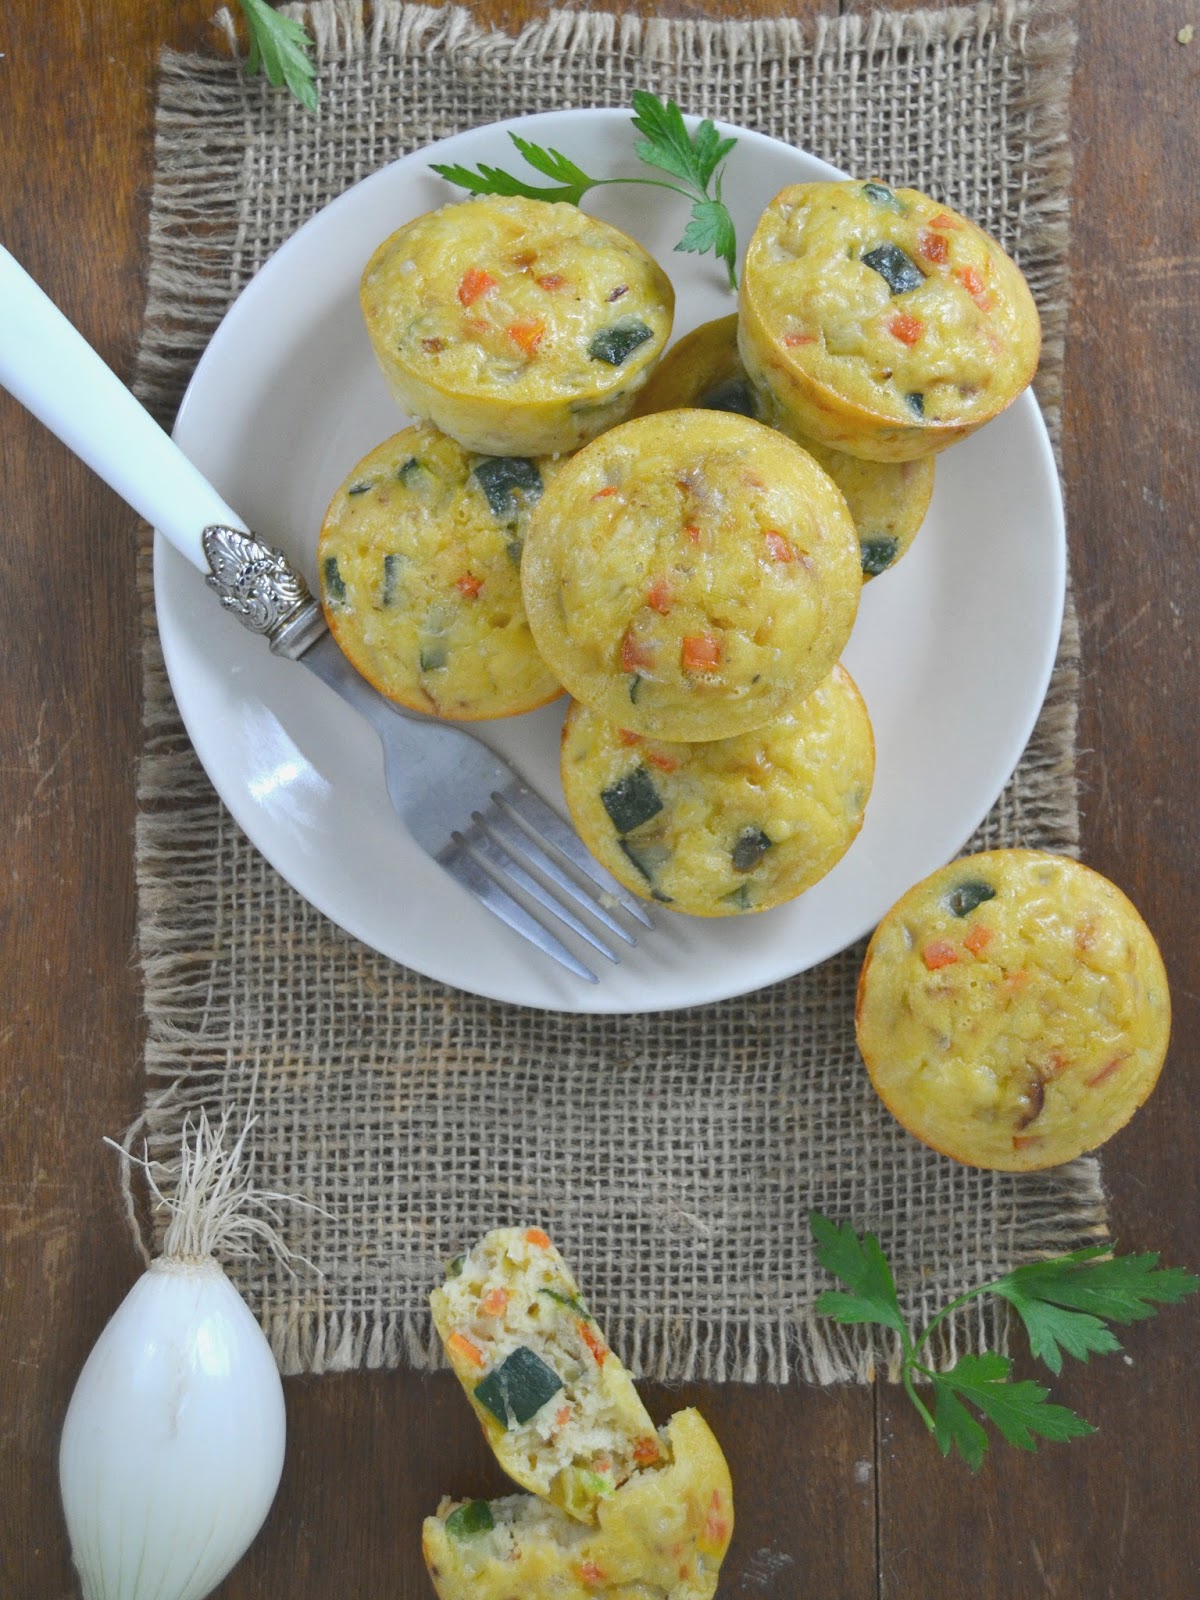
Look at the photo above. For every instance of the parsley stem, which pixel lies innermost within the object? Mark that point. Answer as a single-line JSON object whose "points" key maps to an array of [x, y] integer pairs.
{"points": [[948, 1310], [651, 183], [911, 1390]]}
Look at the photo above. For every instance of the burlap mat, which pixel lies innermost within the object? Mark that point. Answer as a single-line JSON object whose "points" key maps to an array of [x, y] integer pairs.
{"points": [[674, 1157]]}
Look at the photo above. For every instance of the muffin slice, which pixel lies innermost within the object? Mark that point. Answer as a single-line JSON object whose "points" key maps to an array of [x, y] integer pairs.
{"points": [[661, 1536], [557, 1406]]}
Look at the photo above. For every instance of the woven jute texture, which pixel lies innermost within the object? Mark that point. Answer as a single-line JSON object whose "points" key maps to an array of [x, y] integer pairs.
{"points": [[673, 1157]]}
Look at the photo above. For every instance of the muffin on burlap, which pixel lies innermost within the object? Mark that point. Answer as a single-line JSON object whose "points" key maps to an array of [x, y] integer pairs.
{"points": [[420, 563], [557, 1406], [662, 1534], [519, 326], [888, 500], [730, 825], [690, 575], [880, 322], [1013, 1010]]}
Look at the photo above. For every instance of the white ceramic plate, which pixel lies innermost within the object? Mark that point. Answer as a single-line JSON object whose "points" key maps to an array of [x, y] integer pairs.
{"points": [[952, 649]]}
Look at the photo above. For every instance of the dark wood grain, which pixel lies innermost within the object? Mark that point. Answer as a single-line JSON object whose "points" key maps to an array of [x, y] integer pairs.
{"points": [[840, 1492]]}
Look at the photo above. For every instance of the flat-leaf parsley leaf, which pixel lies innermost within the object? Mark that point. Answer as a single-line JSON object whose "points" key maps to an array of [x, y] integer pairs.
{"points": [[1065, 1305], [694, 159], [280, 47]]}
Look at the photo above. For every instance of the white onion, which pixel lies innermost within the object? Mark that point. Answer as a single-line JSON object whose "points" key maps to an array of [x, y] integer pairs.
{"points": [[174, 1438]]}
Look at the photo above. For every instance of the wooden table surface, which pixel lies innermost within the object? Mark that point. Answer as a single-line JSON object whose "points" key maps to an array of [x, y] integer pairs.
{"points": [[839, 1491]]}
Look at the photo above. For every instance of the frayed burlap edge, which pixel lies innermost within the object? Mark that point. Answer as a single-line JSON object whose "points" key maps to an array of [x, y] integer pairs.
{"points": [[170, 775]]}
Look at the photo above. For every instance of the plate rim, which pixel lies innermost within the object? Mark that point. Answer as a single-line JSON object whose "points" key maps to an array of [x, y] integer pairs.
{"points": [[167, 565]]}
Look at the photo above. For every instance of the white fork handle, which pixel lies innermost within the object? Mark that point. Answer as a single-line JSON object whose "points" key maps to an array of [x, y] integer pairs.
{"points": [[51, 369]]}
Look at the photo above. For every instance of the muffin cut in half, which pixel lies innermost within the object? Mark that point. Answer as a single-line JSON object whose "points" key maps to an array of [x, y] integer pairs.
{"points": [[881, 322], [557, 1406], [661, 1536], [420, 557], [519, 326], [887, 499], [1013, 1010]]}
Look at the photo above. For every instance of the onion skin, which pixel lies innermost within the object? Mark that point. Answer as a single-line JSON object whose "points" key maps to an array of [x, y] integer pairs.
{"points": [[173, 1442]]}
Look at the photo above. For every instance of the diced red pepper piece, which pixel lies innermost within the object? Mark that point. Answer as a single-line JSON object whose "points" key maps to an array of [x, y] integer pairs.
{"points": [[660, 598], [627, 738], [634, 654], [700, 652], [933, 247], [468, 585], [661, 760], [536, 1236], [593, 1341], [904, 326], [779, 548], [938, 953], [527, 335], [474, 282], [978, 939]]}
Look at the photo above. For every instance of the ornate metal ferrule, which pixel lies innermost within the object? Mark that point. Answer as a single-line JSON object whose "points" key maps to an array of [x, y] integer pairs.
{"points": [[263, 590]]}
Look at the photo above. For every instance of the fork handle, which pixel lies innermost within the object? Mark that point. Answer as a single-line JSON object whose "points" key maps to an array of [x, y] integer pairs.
{"points": [[48, 366]]}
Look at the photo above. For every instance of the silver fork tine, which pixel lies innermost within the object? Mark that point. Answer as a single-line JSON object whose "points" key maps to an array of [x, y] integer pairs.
{"points": [[467, 870], [532, 812], [502, 863], [519, 843]]}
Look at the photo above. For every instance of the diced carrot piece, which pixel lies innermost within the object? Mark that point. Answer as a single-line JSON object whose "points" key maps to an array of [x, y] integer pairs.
{"points": [[978, 939], [1022, 1141], [589, 1572], [945, 220], [527, 335], [905, 327], [551, 281], [474, 282], [779, 548], [467, 1348], [627, 738], [660, 599], [538, 1237], [937, 953], [646, 1450], [661, 760], [692, 533], [1056, 1064], [562, 1416], [594, 1343], [933, 247], [973, 282], [1105, 1072], [603, 494], [791, 340], [1017, 980], [468, 585], [494, 1303], [634, 654], [700, 652]]}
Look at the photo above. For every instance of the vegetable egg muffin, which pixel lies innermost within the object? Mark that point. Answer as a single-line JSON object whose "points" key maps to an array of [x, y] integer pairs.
{"points": [[731, 825], [420, 557], [880, 322], [558, 1408], [690, 575], [1013, 1010], [888, 500], [520, 327], [661, 1536]]}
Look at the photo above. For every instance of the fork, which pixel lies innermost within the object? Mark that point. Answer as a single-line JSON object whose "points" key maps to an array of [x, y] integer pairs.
{"points": [[464, 805]]}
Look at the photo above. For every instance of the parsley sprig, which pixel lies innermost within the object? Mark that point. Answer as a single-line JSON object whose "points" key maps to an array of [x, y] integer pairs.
{"points": [[281, 47], [696, 161], [1065, 1304]]}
